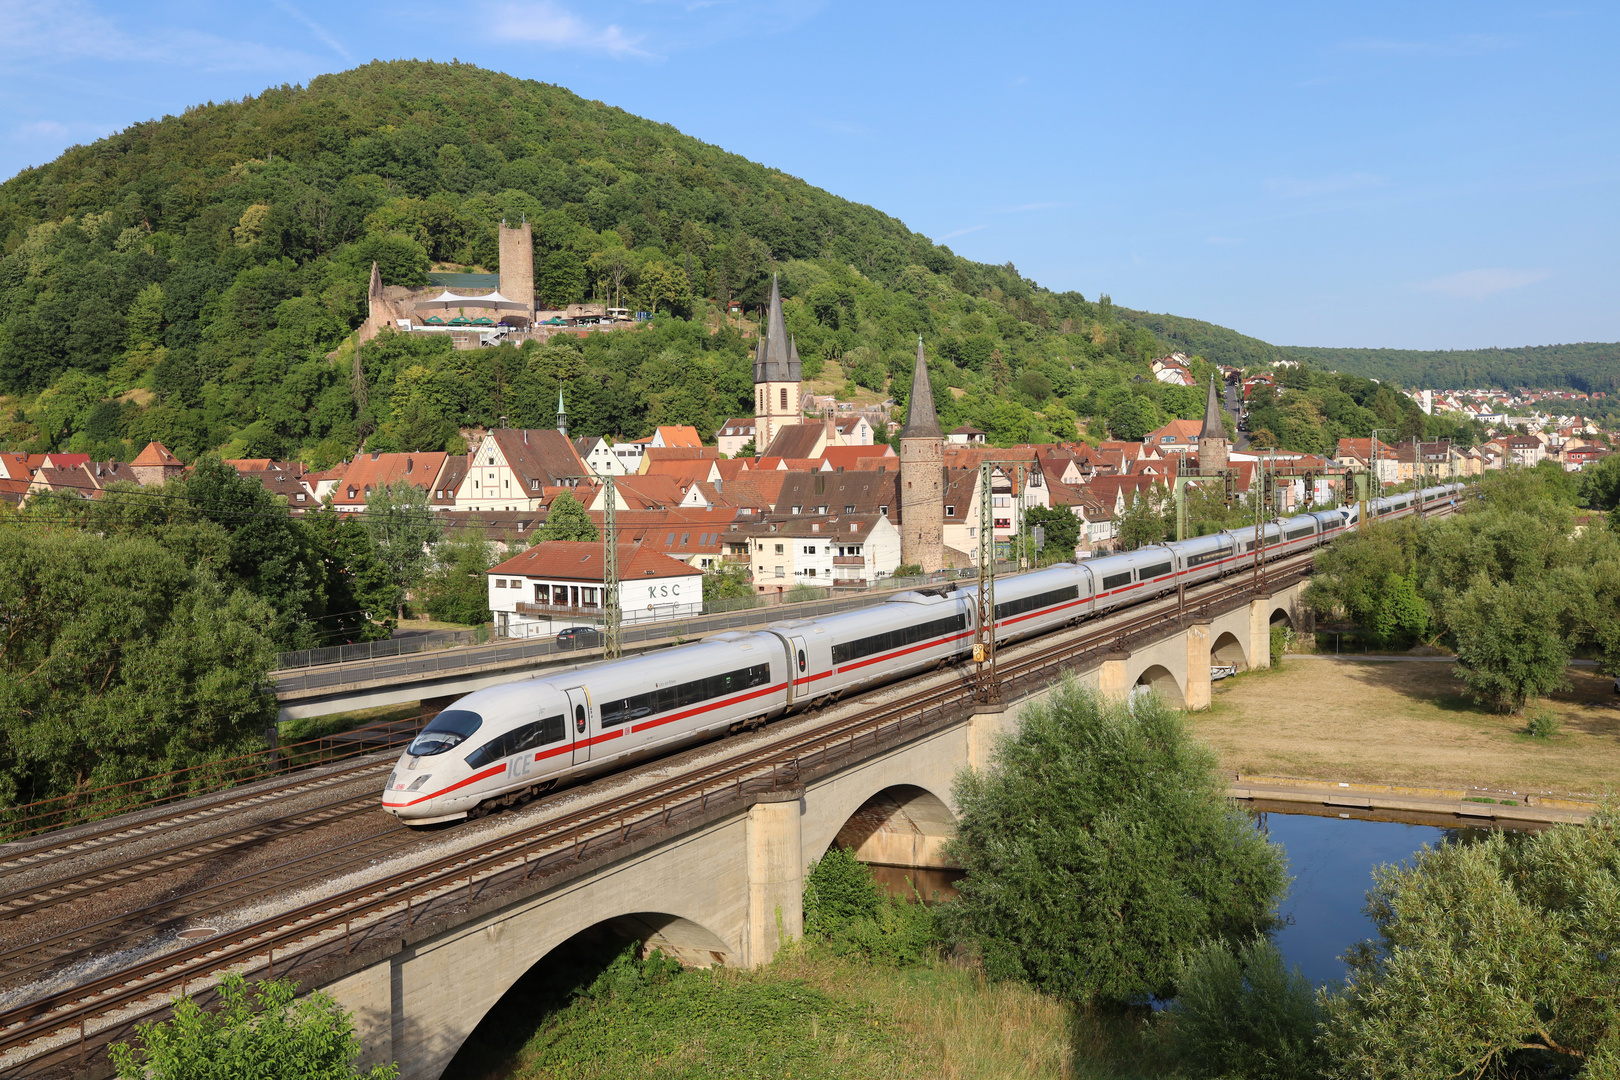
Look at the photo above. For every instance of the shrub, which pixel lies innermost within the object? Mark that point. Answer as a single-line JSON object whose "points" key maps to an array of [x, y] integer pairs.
{"points": [[1241, 1012], [312, 1039], [1281, 638], [848, 914], [1099, 847], [1542, 722]]}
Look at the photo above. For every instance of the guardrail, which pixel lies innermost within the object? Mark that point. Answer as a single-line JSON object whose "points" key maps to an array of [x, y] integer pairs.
{"points": [[505, 651]]}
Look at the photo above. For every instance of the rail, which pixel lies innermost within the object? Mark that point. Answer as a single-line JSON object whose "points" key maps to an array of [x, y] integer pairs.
{"points": [[571, 837], [96, 804]]}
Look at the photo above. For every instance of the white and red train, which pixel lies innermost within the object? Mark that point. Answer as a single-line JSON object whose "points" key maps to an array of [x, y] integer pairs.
{"points": [[502, 745]]}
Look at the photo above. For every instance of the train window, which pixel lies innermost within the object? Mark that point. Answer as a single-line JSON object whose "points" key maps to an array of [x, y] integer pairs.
{"points": [[1039, 600], [899, 637], [1114, 581], [446, 731], [1148, 573], [1303, 531], [519, 739], [669, 698]]}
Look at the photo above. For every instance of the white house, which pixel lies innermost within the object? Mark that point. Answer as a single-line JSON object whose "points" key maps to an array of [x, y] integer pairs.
{"points": [[600, 458], [843, 549], [559, 583]]}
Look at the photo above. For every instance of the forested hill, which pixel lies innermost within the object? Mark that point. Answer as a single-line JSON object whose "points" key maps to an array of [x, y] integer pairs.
{"points": [[187, 278], [1585, 367]]}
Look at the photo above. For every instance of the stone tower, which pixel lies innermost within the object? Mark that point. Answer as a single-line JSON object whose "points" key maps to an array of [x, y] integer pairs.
{"points": [[1212, 445], [517, 265], [776, 377], [922, 475]]}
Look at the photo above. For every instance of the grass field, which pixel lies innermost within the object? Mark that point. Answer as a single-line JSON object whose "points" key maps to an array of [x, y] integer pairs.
{"points": [[805, 1016], [1408, 723]]}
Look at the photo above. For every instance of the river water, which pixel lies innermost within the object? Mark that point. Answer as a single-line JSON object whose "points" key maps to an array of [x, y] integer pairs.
{"points": [[1331, 860]]}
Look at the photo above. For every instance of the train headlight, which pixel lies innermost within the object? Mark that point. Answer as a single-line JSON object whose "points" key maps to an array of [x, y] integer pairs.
{"points": [[416, 785]]}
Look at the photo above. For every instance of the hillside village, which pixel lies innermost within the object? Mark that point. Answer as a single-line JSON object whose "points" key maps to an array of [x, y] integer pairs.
{"points": [[810, 491]]}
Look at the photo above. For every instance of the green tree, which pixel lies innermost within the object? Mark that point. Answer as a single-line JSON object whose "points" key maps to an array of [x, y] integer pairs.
{"points": [[403, 530], [1494, 959], [728, 581], [360, 595], [280, 1036], [567, 519], [1099, 847], [662, 283], [1240, 1011], [123, 660], [1142, 523], [457, 585], [1510, 643], [1600, 487], [1133, 418], [1062, 531]]}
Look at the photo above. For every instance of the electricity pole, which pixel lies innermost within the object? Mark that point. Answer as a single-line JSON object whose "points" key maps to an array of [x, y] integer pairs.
{"points": [[612, 645]]}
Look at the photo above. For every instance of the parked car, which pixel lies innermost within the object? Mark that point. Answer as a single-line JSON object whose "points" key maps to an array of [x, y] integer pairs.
{"points": [[579, 637]]}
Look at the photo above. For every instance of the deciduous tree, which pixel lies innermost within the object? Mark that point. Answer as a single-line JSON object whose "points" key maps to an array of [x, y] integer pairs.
{"points": [[1099, 847], [566, 519]]}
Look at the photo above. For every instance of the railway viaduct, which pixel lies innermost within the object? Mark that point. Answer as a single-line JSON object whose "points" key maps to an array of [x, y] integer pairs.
{"points": [[725, 888]]}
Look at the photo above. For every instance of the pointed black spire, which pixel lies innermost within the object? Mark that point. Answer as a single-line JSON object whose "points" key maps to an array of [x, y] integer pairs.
{"points": [[1213, 428], [921, 420], [776, 361]]}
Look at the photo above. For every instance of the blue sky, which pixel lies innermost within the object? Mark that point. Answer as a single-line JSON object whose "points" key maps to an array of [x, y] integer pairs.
{"points": [[1434, 175]]}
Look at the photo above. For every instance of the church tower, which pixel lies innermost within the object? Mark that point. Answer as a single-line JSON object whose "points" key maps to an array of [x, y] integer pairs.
{"points": [[922, 476], [562, 415], [1212, 445], [776, 377]]}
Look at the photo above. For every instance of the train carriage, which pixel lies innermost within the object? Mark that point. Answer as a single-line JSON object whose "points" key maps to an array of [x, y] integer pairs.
{"points": [[523, 736], [501, 745], [907, 633]]}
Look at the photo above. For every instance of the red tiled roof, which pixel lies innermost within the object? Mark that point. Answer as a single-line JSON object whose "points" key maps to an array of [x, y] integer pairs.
{"points": [[571, 560], [154, 454], [372, 471]]}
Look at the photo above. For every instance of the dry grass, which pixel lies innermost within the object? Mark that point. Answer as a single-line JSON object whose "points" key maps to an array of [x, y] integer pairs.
{"points": [[1408, 723], [961, 1027]]}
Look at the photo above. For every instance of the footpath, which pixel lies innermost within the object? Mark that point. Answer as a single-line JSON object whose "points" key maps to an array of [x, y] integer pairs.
{"points": [[1389, 801]]}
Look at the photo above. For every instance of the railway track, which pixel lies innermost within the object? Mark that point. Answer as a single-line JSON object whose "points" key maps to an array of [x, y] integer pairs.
{"points": [[406, 893]]}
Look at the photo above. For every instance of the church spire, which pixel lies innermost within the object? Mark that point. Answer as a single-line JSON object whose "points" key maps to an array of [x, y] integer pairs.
{"points": [[921, 420], [777, 360], [562, 414], [1214, 427]]}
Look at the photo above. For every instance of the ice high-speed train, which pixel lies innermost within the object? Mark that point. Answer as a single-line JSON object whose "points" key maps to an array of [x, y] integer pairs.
{"points": [[503, 745]]}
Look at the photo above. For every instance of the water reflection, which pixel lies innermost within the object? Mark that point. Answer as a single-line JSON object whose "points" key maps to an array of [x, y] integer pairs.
{"points": [[1332, 860]]}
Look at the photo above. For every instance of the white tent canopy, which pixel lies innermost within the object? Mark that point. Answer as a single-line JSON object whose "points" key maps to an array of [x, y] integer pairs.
{"points": [[447, 300]]}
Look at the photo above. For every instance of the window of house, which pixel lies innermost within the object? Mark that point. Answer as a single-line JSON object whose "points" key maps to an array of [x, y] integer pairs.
{"points": [[798, 509], [950, 511], [351, 493], [849, 508], [779, 572], [685, 537], [779, 549], [671, 541], [300, 496], [822, 509], [810, 549], [500, 583], [884, 509], [534, 485], [810, 572]]}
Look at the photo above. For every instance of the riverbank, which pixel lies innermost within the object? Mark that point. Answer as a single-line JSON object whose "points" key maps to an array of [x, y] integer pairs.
{"points": [[1409, 725]]}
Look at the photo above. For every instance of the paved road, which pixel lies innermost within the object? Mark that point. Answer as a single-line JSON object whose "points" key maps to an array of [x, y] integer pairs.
{"points": [[1234, 402]]}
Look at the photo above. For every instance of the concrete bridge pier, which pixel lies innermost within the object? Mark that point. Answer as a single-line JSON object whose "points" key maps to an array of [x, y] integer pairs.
{"points": [[775, 874], [1197, 691]]}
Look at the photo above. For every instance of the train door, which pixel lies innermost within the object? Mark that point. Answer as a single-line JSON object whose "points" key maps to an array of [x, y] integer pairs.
{"points": [[799, 668], [579, 722]]}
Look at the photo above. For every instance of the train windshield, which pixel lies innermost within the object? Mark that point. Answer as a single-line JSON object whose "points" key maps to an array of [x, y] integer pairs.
{"points": [[447, 731]]}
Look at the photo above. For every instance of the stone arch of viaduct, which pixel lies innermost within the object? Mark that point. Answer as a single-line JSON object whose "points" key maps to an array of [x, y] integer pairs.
{"points": [[729, 891]]}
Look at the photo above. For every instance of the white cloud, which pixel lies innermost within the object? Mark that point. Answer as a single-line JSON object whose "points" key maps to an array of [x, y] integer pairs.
{"points": [[40, 31], [1293, 187], [1460, 45], [315, 28], [961, 232], [545, 23], [1478, 284]]}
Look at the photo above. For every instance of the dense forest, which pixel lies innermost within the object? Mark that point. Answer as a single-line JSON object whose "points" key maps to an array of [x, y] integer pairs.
{"points": [[1585, 367], [196, 279]]}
